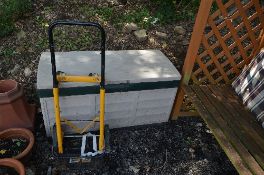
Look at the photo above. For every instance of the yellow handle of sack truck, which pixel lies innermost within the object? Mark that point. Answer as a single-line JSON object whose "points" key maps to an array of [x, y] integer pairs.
{"points": [[57, 78]]}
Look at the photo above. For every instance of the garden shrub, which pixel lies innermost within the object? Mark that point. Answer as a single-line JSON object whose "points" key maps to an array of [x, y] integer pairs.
{"points": [[10, 11]]}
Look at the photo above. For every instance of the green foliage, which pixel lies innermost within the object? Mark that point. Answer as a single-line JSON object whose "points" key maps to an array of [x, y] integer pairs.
{"points": [[168, 11], [41, 21], [8, 52], [6, 26], [103, 12], [72, 38], [215, 7], [141, 16], [165, 11], [87, 11], [42, 42], [10, 11], [68, 39]]}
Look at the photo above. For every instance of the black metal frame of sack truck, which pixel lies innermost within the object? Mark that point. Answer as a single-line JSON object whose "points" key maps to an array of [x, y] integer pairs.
{"points": [[59, 76]]}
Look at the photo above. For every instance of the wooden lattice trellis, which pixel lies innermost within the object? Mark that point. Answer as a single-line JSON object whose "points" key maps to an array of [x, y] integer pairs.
{"points": [[229, 38], [225, 36]]}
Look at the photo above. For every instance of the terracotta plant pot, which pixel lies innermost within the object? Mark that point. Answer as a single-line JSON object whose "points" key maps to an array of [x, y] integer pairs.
{"points": [[15, 112], [20, 133], [13, 163]]}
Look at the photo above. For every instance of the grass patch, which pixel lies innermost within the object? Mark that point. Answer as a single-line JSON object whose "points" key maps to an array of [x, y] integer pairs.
{"points": [[142, 17], [159, 12], [155, 12], [104, 13], [40, 21], [168, 11], [42, 43], [8, 52], [73, 38], [10, 11]]}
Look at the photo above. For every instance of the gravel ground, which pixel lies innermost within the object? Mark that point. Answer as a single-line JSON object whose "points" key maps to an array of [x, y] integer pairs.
{"points": [[185, 146]]}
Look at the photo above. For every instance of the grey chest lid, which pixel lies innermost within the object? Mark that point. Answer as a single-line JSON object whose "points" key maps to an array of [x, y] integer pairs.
{"points": [[124, 66]]}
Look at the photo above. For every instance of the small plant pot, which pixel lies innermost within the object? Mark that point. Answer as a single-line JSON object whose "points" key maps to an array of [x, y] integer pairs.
{"points": [[19, 133], [13, 164], [15, 112]]}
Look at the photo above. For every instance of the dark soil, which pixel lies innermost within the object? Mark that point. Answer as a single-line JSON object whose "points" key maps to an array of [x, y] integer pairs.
{"points": [[4, 170], [185, 146], [11, 147]]}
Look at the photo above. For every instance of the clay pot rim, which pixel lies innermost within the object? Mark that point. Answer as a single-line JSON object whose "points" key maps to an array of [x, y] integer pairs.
{"points": [[20, 132], [13, 163], [13, 89]]}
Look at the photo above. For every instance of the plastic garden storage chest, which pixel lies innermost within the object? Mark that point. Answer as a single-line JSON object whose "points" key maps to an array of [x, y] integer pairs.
{"points": [[140, 88]]}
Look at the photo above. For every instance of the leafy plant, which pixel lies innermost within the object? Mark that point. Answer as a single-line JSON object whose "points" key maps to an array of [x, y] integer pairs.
{"points": [[171, 10], [10, 11]]}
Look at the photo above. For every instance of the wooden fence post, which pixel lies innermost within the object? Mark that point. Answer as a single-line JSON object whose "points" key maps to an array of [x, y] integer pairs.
{"points": [[198, 30]]}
